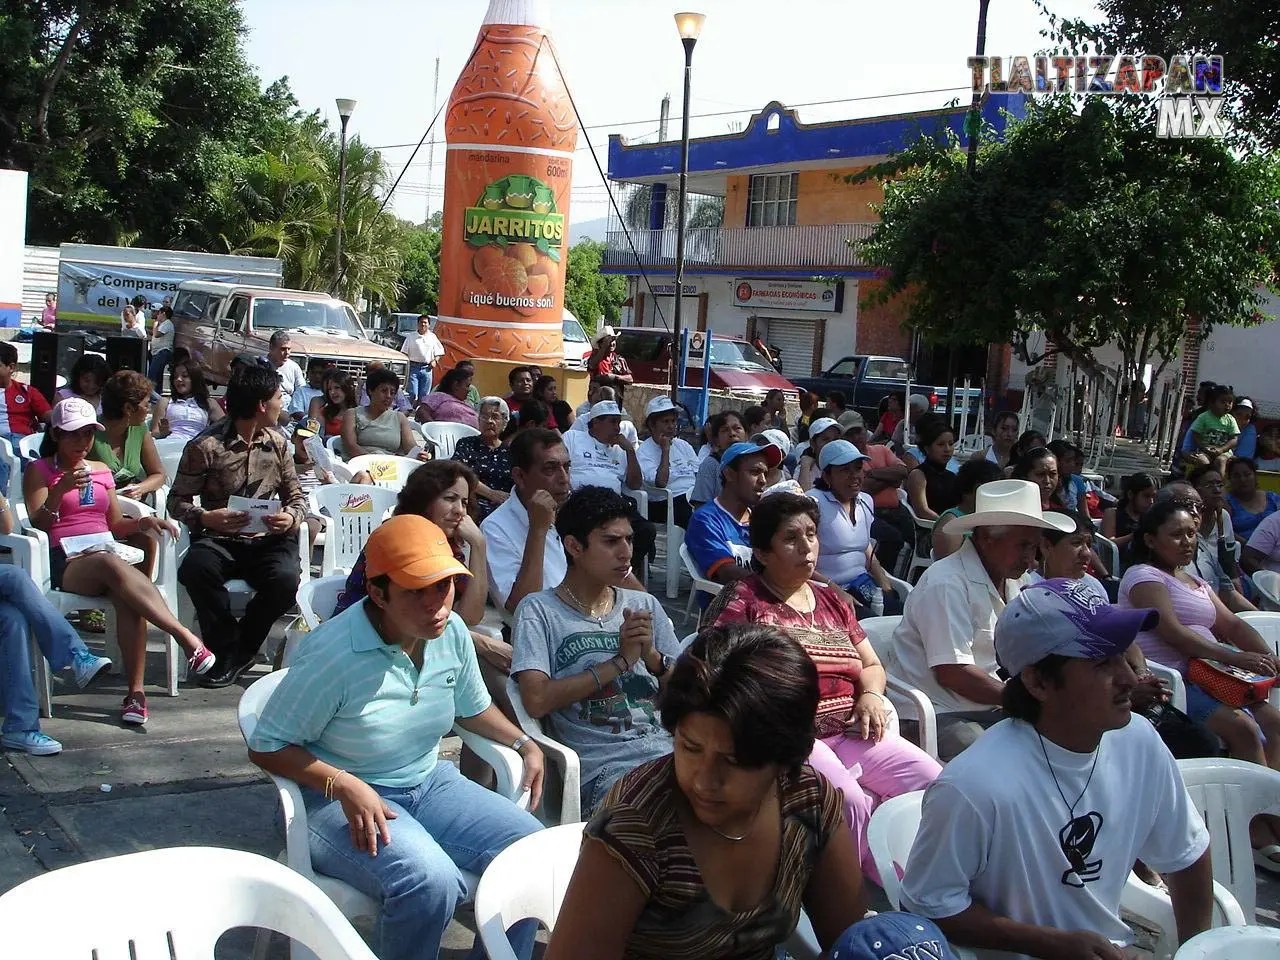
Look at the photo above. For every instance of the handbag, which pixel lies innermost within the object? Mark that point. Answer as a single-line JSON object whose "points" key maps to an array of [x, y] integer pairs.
{"points": [[1229, 685]]}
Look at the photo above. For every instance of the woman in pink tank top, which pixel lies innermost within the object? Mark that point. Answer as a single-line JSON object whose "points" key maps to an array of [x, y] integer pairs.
{"points": [[68, 495], [1194, 623]]}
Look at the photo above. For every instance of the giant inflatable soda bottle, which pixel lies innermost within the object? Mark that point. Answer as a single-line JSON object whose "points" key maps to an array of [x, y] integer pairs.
{"points": [[511, 134]]}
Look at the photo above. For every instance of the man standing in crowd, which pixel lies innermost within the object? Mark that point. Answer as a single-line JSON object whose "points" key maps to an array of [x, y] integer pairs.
{"points": [[424, 350], [719, 535], [241, 456], [944, 645], [290, 374], [1026, 842], [591, 654]]}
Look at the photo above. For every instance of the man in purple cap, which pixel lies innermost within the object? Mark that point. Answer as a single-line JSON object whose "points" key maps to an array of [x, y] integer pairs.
{"points": [[1026, 840]]}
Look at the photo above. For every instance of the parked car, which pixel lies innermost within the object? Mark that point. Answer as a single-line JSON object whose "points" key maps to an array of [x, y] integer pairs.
{"points": [[736, 366], [219, 321], [577, 345], [866, 380]]}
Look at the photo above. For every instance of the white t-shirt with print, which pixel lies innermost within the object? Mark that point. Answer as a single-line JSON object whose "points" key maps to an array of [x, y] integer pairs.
{"points": [[682, 463], [594, 464], [991, 824]]}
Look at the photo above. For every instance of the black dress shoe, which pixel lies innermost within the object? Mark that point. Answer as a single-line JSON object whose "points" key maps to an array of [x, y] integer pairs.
{"points": [[225, 673]]}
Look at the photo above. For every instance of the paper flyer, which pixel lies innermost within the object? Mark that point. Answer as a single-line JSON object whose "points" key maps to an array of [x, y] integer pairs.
{"points": [[258, 511]]}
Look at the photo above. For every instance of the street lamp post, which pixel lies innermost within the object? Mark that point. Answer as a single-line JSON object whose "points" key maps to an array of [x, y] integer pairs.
{"points": [[345, 109], [690, 26]]}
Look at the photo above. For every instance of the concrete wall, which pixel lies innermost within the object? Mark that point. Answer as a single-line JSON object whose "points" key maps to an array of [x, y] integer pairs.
{"points": [[824, 198], [1246, 358]]}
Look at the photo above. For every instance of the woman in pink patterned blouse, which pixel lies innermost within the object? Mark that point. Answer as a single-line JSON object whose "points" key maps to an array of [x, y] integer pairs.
{"points": [[854, 748]]}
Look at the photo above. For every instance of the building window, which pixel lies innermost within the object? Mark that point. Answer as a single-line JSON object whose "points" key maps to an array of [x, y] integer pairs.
{"points": [[772, 200]]}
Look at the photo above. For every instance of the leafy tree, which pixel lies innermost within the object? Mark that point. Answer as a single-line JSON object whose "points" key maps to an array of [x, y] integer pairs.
{"points": [[420, 276], [588, 294], [1244, 34], [124, 112], [1082, 225]]}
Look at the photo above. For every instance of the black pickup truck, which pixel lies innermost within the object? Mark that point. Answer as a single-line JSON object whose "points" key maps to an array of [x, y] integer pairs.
{"points": [[866, 380]]}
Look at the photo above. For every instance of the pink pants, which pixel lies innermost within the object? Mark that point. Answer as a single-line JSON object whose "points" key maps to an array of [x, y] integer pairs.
{"points": [[867, 773]]}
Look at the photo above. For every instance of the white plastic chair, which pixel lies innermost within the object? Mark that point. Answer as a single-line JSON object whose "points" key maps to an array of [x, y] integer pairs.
{"points": [[892, 830], [1109, 552], [445, 436], [700, 583], [675, 535], [334, 446], [351, 512], [1232, 943], [1268, 625], [317, 598], [1229, 793], [910, 702], [919, 561], [1177, 686], [35, 560], [1268, 584], [529, 879], [565, 758], [506, 764], [29, 446], [8, 457], [152, 918], [385, 471]]}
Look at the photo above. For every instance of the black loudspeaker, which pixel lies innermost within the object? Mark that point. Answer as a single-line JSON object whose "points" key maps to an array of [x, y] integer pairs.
{"points": [[127, 353], [53, 355]]}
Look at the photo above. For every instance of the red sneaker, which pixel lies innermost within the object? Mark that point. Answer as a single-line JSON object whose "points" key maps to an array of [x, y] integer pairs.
{"points": [[202, 661], [134, 711]]}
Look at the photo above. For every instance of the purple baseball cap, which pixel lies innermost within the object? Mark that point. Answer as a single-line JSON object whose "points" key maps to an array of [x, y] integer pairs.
{"points": [[1065, 618]]}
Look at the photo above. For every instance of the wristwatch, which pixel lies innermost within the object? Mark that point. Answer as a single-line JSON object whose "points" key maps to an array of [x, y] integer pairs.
{"points": [[664, 666], [520, 742]]}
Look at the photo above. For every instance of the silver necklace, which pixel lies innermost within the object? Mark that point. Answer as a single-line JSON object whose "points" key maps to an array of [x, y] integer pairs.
{"points": [[586, 609]]}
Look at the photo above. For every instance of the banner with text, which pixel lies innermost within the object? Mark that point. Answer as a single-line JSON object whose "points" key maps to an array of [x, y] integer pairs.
{"points": [[96, 293], [811, 295]]}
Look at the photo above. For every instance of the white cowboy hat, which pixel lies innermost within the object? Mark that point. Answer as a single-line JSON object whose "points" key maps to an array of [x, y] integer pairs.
{"points": [[604, 332], [1013, 503]]}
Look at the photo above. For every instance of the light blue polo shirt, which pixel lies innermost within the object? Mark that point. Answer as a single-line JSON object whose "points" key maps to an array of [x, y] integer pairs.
{"points": [[360, 704]]}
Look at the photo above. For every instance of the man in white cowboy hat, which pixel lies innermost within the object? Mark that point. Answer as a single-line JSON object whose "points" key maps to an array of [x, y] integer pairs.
{"points": [[945, 644], [605, 361], [666, 461]]}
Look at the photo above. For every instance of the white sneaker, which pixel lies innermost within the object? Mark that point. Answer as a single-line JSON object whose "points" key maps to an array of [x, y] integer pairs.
{"points": [[31, 741], [85, 666]]}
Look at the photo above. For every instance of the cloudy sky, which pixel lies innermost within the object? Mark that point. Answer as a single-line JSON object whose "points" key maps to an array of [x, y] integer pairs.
{"points": [[621, 56]]}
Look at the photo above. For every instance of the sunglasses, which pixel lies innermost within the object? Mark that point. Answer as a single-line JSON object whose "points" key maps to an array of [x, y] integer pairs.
{"points": [[1186, 503]]}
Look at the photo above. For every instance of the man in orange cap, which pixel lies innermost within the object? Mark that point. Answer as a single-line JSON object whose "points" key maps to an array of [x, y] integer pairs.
{"points": [[357, 721]]}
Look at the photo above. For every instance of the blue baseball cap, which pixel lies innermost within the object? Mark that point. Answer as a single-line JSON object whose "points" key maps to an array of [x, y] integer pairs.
{"points": [[892, 936], [745, 448], [1064, 617], [839, 452]]}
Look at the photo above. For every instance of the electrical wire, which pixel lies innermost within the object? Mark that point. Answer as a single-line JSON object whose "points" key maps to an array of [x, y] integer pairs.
{"points": [[644, 274], [732, 113]]}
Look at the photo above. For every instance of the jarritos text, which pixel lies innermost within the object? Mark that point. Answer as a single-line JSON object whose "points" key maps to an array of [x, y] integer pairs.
{"points": [[517, 236]]}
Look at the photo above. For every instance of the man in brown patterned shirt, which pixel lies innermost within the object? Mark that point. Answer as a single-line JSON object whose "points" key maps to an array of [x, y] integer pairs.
{"points": [[243, 455]]}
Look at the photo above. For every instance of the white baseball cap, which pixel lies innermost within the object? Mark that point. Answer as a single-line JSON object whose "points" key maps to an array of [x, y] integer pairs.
{"points": [[659, 404], [604, 408], [821, 424]]}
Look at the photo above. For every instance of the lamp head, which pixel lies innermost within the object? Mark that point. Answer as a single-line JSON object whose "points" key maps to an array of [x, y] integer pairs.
{"points": [[690, 25], [345, 108]]}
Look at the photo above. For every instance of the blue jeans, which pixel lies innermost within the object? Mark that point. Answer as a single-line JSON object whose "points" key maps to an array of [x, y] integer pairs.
{"points": [[444, 825], [13, 439], [419, 384], [22, 606], [155, 370]]}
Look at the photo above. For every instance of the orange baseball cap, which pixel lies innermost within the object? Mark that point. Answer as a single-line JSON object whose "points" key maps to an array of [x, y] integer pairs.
{"points": [[412, 551]]}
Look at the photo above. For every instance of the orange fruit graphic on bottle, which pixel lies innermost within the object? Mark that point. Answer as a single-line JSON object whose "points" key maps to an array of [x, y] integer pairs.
{"points": [[511, 134]]}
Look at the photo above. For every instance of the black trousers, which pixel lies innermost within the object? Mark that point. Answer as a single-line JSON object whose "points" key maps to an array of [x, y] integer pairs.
{"points": [[658, 512], [893, 529], [268, 564]]}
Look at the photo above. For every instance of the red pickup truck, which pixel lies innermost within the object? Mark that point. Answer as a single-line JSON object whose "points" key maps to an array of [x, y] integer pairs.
{"points": [[736, 366]]}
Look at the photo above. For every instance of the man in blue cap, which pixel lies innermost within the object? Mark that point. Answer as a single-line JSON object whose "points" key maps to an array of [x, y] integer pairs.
{"points": [[1026, 840], [719, 536]]}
